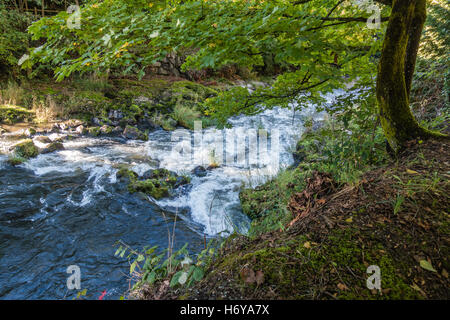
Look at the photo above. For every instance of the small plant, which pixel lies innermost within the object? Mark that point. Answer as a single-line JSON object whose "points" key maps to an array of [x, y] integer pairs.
{"points": [[152, 266], [185, 116], [213, 161], [398, 203], [13, 94]]}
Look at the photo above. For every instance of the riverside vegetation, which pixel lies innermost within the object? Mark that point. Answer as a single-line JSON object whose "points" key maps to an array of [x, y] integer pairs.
{"points": [[369, 184]]}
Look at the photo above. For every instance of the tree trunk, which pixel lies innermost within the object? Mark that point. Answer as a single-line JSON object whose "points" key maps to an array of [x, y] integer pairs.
{"points": [[395, 71]]}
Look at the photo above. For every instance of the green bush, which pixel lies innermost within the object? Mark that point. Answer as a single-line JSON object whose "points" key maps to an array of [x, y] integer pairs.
{"points": [[14, 39]]}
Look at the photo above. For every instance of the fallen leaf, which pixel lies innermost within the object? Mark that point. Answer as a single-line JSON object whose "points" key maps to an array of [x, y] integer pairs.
{"points": [[411, 171], [321, 201], [342, 286], [427, 266], [259, 277], [248, 275]]}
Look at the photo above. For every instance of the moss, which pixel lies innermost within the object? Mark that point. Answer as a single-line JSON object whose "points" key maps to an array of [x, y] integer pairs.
{"points": [[93, 96], [15, 160], [11, 114], [153, 187], [125, 173], [400, 45], [293, 267], [26, 149], [94, 131]]}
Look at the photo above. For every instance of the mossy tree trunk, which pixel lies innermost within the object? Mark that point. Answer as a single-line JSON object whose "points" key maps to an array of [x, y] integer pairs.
{"points": [[395, 72]]}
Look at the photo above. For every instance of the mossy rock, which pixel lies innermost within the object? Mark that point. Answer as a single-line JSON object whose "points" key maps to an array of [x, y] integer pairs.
{"points": [[126, 174], [94, 131], [134, 133], [52, 147], [15, 160], [26, 149], [10, 114], [152, 187]]}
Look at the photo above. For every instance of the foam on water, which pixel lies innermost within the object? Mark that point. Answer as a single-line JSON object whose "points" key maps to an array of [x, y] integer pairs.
{"points": [[213, 200]]}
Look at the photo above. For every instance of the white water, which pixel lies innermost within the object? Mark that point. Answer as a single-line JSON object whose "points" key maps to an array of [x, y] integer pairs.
{"points": [[212, 201]]}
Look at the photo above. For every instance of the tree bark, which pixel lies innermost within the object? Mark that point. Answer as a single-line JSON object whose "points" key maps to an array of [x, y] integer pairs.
{"points": [[395, 71], [416, 27]]}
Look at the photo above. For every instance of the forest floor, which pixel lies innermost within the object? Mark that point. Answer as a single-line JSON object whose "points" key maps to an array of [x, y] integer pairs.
{"points": [[395, 217]]}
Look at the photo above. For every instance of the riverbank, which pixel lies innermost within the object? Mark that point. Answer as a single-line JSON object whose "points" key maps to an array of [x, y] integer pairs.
{"points": [[394, 216]]}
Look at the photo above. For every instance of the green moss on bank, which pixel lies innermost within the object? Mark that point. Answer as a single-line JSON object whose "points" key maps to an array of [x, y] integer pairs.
{"points": [[326, 254], [11, 114], [159, 101]]}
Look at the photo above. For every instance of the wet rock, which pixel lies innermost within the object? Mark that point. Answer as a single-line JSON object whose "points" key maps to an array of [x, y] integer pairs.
{"points": [[30, 132], [81, 130], [115, 115], [15, 161], [180, 181], [153, 187], [25, 149], [42, 139], [147, 174], [94, 131], [199, 171], [134, 134], [59, 139], [74, 123], [117, 130], [106, 130], [52, 147], [55, 128], [147, 124], [96, 121], [126, 175]]}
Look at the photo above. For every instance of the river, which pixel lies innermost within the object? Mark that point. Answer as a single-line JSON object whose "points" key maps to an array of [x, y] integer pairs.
{"points": [[68, 207]]}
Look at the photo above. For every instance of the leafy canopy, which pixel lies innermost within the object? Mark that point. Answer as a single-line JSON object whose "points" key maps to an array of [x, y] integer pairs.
{"points": [[321, 42]]}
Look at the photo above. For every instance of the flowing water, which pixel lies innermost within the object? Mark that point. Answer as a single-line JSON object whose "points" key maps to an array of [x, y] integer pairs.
{"points": [[68, 207]]}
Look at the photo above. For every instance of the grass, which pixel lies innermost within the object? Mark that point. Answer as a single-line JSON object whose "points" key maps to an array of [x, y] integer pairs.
{"points": [[393, 217], [185, 116]]}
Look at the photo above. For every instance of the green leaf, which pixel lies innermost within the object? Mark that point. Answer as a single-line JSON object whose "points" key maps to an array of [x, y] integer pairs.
{"points": [[175, 278], [198, 274], [132, 267], [427, 266], [151, 277]]}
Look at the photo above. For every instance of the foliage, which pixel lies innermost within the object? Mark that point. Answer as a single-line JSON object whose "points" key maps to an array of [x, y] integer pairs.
{"points": [[14, 39], [152, 266], [321, 40], [430, 92]]}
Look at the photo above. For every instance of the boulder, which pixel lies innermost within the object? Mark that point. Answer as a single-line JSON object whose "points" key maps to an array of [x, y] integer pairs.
{"points": [[134, 133], [81, 130], [199, 171], [52, 147], [25, 149], [42, 139], [30, 132], [106, 130]]}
